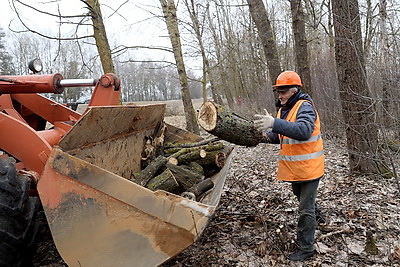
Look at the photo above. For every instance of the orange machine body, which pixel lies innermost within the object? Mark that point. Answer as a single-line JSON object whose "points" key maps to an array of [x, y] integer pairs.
{"points": [[25, 115]]}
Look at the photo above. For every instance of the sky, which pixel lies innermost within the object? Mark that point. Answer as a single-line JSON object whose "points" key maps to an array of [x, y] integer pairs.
{"points": [[134, 23]]}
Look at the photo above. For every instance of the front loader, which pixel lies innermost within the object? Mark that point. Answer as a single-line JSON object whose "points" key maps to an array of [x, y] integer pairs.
{"points": [[78, 168]]}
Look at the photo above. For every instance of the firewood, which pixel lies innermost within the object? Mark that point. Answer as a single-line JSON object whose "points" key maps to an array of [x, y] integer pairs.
{"points": [[165, 181], [185, 178], [227, 125], [146, 174], [179, 150], [211, 160], [198, 189], [192, 156], [195, 167], [186, 145]]}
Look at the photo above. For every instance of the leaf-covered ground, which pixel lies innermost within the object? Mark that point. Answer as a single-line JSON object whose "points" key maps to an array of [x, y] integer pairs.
{"points": [[255, 222]]}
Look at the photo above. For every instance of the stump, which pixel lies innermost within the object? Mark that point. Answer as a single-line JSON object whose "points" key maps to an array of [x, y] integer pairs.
{"points": [[227, 125]]}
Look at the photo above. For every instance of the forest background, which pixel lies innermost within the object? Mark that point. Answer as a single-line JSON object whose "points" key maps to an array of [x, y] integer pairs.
{"points": [[347, 53]]}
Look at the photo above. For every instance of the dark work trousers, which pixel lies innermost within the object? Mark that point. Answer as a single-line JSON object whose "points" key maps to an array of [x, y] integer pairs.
{"points": [[306, 193]]}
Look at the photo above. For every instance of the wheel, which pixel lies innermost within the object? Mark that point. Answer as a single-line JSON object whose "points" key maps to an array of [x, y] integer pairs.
{"points": [[18, 227]]}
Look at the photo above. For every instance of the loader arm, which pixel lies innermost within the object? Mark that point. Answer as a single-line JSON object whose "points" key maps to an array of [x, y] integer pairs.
{"points": [[24, 113], [23, 143]]}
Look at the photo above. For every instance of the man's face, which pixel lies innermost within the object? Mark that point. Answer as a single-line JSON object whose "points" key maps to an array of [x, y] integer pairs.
{"points": [[285, 95]]}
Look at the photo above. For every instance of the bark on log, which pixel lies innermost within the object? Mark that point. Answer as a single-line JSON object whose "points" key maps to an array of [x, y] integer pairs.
{"points": [[165, 181], [146, 174], [212, 160], [185, 178], [191, 156], [227, 125], [202, 187], [186, 145], [196, 168], [181, 150]]}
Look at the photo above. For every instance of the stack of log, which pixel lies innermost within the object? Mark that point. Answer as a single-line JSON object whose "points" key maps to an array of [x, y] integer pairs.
{"points": [[181, 168]]}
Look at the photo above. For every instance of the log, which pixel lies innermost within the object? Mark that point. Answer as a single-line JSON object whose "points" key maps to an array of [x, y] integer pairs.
{"points": [[202, 187], [196, 168], [185, 145], [165, 181], [147, 173], [185, 178], [199, 189], [191, 156], [178, 150], [227, 125], [211, 160]]}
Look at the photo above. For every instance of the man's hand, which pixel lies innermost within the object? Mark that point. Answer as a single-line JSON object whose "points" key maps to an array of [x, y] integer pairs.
{"points": [[265, 122]]}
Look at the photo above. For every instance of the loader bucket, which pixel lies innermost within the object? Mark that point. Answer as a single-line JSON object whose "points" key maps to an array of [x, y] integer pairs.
{"points": [[97, 216]]}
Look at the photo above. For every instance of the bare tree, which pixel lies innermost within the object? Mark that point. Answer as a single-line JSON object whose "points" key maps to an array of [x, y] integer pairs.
{"points": [[171, 20], [260, 17], [384, 55], [197, 28], [300, 44], [358, 106], [99, 32], [100, 35]]}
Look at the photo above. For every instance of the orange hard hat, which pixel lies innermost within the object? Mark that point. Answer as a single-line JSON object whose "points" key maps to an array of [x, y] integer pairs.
{"points": [[288, 78]]}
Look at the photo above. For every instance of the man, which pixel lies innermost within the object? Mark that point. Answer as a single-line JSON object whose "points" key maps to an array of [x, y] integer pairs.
{"points": [[301, 160]]}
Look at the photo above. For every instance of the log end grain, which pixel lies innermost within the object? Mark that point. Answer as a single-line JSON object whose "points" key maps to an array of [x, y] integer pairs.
{"points": [[207, 117]]}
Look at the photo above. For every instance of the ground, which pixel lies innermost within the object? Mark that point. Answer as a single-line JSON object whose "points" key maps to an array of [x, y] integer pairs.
{"points": [[255, 222]]}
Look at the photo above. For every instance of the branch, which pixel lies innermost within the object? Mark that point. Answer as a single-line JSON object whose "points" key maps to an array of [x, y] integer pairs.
{"points": [[39, 33], [44, 12], [122, 48]]}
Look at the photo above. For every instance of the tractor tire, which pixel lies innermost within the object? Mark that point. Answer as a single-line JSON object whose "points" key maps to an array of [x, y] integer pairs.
{"points": [[18, 227]]}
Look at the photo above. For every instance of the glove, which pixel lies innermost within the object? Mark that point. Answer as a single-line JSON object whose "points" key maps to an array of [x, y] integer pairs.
{"points": [[265, 122]]}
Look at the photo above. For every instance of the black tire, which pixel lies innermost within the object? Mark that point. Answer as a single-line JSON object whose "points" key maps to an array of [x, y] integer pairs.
{"points": [[18, 227]]}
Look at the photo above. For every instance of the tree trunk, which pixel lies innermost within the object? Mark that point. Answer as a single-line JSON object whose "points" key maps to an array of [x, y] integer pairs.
{"points": [[358, 107], [384, 55], [198, 32], [260, 17], [300, 45], [171, 20], [100, 36], [225, 124]]}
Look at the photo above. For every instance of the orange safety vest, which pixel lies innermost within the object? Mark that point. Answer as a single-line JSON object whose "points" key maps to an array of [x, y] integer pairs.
{"points": [[301, 160]]}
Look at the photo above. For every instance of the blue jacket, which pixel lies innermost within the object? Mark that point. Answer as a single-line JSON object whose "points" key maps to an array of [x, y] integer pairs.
{"points": [[301, 129]]}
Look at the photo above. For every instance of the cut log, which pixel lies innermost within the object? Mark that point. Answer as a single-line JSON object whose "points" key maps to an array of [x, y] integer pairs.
{"points": [[185, 145], [211, 160], [200, 188], [186, 155], [196, 168], [227, 125], [178, 150], [165, 181], [191, 156], [146, 174], [185, 177]]}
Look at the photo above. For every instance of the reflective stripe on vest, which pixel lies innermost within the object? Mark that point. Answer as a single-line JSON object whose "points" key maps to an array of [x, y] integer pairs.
{"points": [[301, 160]]}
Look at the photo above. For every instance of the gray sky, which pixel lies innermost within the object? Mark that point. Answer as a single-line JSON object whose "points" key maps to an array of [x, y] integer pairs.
{"points": [[132, 25]]}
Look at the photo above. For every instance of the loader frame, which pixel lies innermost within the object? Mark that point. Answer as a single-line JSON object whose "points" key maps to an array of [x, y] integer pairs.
{"points": [[25, 114]]}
